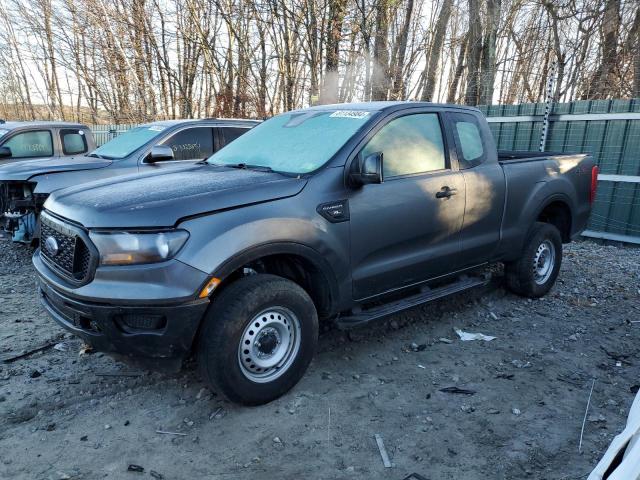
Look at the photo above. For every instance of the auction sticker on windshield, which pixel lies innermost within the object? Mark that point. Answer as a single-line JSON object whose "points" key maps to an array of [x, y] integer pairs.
{"points": [[349, 114]]}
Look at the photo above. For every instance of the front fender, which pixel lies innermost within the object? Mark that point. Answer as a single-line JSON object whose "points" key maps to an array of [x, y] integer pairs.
{"points": [[221, 243]]}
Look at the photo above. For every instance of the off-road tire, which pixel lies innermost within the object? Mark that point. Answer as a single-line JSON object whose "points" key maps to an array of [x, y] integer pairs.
{"points": [[225, 327], [521, 274]]}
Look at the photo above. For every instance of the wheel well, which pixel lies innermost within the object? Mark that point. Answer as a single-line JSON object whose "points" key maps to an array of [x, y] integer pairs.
{"points": [[558, 214], [296, 268]]}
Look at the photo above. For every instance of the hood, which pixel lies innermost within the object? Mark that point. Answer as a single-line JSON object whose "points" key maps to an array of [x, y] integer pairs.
{"points": [[161, 199], [27, 169]]}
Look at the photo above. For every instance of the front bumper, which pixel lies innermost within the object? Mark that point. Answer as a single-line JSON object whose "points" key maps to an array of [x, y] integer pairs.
{"points": [[151, 332], [148, 311]]}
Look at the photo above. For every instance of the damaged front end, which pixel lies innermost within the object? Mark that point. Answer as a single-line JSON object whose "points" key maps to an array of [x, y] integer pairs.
{"points": [[19, 210]]}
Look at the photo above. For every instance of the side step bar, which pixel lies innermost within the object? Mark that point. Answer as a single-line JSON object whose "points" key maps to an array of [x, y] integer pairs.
{"points": [[427, 295]]}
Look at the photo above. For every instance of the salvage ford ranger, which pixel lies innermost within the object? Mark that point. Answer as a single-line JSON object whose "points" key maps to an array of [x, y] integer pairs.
{"points": [[343, 213], [24, 186]]}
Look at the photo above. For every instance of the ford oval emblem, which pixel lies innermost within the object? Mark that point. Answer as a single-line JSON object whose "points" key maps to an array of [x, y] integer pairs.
{"points": [[51, 244]]}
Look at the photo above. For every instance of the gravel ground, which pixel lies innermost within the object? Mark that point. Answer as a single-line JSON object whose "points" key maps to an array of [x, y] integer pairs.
{"points": [[66, 415]]}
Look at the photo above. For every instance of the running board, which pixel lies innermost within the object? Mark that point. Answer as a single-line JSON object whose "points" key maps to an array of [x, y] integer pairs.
{"points": [[427, 295]]}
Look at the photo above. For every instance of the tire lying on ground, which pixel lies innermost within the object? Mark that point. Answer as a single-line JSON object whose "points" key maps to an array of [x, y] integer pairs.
{"points": [[258, 338], [535, 272]]}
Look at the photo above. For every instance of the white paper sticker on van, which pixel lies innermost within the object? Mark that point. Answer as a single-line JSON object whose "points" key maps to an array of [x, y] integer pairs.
{"points": [[3, 132], [349, 114], [156, 128]]}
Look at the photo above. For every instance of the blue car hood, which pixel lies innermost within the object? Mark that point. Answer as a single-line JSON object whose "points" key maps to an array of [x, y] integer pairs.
{"points": [[162, 199], [27, 169]]}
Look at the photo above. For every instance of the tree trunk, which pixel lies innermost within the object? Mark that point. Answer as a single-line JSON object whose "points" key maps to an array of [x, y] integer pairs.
{"points": [[337, 10], [400, 53], [435, 52], [452, 95], [489, 52], [474, 54], [380, 75]]}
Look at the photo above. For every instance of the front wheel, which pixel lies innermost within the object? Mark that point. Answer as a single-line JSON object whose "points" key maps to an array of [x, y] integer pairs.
{"points": [[258, 339], [535, 272]]}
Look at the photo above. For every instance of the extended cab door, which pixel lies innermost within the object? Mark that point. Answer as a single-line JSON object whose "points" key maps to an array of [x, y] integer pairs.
{"points": [[485, 186], [406, 229], [28, 145]]}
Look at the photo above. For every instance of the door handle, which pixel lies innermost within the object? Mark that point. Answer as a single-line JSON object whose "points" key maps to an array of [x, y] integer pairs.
{"points": [[445, 192]]}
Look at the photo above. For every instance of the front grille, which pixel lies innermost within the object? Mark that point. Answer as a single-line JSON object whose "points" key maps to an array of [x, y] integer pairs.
{"points": [[64, 250]]}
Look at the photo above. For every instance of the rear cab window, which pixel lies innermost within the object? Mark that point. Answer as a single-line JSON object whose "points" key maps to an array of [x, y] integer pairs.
{"points": [[74, 141], [191, 143], [410, 144], [469, 142], [229, 134], [38, 143]]}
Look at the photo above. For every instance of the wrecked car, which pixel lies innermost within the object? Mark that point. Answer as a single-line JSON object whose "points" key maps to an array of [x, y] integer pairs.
{"points": [[24, 186], [344, 213], [29, 142]]}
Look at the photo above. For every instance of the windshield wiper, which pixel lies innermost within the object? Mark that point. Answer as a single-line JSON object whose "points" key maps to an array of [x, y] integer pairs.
{"points": [[245, 166], [95, 155]]}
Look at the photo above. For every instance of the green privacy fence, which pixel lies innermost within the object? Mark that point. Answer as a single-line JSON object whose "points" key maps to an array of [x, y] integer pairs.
{"points": [[104, 133], [607, 129]]}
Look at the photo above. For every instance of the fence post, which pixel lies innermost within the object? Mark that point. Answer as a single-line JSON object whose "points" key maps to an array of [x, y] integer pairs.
{"points": [[548, 107]]}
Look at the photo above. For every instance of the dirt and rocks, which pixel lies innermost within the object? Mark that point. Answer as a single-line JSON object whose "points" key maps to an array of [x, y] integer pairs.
{"points": [[512, 408]]}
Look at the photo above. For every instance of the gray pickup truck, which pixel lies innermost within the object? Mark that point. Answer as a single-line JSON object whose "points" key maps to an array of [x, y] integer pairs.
{"points": [[24, 186], [343, 213], [29, 141]]}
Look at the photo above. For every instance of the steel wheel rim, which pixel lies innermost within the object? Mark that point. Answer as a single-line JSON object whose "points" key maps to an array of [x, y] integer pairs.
{"points": [[543, 262], [269, 344]]}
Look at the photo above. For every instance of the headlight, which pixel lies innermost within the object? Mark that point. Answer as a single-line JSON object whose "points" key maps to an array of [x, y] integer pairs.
{"points": [[128, 248]]}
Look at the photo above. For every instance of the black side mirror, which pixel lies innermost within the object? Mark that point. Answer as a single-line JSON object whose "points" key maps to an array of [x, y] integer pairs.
{"points": [[367, 170], [160, 153], [5, 152]]}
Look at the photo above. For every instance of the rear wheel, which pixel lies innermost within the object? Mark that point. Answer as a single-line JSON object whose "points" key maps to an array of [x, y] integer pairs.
{"points": [[258, 339], [535, 272]]}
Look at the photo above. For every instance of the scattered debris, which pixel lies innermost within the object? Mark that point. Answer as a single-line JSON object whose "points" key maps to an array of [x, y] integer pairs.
{"points": [[219, 413], [277, 440], [171, 433], [445, 340], [35, 374], [12, 357], [418, 348], [61, 347], [135, 468], [383, 451], [118, 374], [618, 357], [634, 388], [584, 420], [506, 376], [493, 315], [156, 475], [520, 364], [467, 337], [457, 390], [85, 349], [516, 411], [421, 366]]}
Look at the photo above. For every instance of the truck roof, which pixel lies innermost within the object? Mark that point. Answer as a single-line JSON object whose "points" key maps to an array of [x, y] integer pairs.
{"points": [[388, 106], [208, 121], [39, 124]]}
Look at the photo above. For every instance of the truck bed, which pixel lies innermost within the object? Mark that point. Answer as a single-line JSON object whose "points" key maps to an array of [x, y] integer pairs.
{"points": [[519, 156]]}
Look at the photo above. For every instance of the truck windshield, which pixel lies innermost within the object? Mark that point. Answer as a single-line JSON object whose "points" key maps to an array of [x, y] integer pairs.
{"points": [[296, 143], [127, 143]]}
